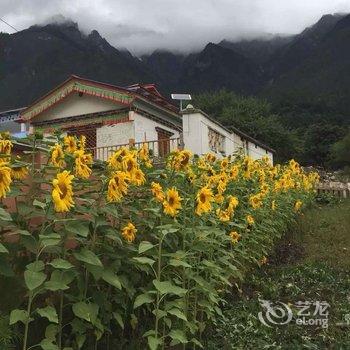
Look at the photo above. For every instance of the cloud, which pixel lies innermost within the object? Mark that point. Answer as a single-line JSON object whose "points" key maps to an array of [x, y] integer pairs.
{"points": [[187, 25]]}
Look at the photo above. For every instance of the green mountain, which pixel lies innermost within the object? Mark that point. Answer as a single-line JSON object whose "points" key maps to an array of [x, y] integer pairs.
{"points": [[35, 60]]}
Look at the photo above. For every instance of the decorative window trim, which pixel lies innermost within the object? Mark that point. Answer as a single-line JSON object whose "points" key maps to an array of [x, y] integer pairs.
{"points": [[216, 141]]}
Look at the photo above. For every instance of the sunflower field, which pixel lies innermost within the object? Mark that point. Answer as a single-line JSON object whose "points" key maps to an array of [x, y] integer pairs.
{"points": [[126, 255]]}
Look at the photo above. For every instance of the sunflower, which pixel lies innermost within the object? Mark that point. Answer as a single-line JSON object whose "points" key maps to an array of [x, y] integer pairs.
{"points": [[57, 156], [157, 191], [138, 177], [117, 186], [172, 202], [219, 198], [62, 193], [184, 158], [263, 261], [191, 175], [70, 144], [204, 198], [255, 201], [298, 204], [143, 155], [210, 157], [224, 164], [273, 205], [129, 232], [5, 146], [82, 142], [223, 215], [232, 203], [5, 179], [129, 164], [82, 163], [19, 173], [250, 220], [235, 236], [234, 172]]}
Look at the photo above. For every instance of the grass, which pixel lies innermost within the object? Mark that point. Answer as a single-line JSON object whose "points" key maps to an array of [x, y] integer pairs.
{"points": [[325, 235], [312, 263]]}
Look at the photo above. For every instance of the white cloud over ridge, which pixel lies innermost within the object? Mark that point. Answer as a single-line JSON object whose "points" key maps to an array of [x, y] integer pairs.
{"points": [[187, 25]]}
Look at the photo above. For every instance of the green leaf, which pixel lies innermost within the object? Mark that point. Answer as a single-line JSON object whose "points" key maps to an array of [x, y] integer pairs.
{"points": [[153, 342], [143, 299], [196, 342], [144, 246], [18, 316], [178, 314], [34, 279], [3, 249], [176, 262], [50, 239], [39, 204], [61, 264], [51, 331], [49, 312], [88, 256], [110, 277], [178, 336], [46, 344], [87, 312], [5, 268], [119, 319], [167, 287], [59, 280], [78, 227], [4, 215], [55, 286], [36, 266], [96, 271], [144, 260]]}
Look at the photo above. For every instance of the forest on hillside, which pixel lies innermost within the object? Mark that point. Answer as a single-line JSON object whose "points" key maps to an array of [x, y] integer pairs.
{"points": [[313, 133]]}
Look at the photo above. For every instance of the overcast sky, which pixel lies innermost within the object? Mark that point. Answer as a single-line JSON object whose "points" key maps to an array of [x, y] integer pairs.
{"points": [[185, 25]]}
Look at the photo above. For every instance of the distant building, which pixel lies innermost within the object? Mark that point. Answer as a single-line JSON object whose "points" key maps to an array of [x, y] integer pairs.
{"points": [[111, 116], [11, 121]]}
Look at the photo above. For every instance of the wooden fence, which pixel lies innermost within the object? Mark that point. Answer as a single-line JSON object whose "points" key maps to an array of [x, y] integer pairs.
{"points": [[338, 189], [158, 149]]}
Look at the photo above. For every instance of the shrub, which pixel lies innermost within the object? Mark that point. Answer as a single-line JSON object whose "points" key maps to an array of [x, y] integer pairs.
{"points": [[117, 252]]}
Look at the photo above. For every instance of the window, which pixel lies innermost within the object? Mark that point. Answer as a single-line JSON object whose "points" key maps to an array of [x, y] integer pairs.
{"points": [[216, 141]]}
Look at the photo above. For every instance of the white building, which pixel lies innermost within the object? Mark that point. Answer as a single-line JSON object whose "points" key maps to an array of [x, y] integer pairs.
{"points": [[203, 134], [111, 116]]}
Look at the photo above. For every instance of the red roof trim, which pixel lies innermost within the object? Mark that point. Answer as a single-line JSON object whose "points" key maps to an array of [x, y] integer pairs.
{"points": [[157, 98]]}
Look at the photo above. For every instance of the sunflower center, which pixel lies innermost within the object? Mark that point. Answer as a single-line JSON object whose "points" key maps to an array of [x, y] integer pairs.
{"points": [[63, 189], [130, 165], [185, 159], [202, 197], [171, 201]]}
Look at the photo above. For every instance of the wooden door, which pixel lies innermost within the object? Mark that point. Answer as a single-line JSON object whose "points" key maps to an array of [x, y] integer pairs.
{"points": [[163, 142]]}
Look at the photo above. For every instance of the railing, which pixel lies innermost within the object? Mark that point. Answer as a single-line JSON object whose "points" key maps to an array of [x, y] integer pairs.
{"points": [[158, 149], [337, 189]]}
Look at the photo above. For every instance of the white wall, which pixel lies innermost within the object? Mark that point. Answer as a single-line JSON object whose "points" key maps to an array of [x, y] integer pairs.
{"points": [[195, 137], [74, 105], [257, 152], [145, 130], [139, 128], [116, 134], [195, 134]]}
